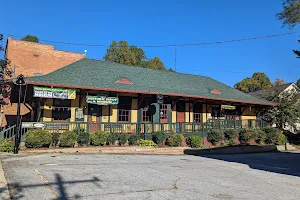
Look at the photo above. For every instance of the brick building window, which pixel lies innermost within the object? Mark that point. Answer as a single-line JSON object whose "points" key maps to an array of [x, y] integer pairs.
{"points": [[62, 110], [124, 108], [197, 110]]}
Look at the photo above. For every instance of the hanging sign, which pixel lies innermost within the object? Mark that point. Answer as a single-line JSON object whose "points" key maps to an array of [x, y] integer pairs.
{"points": [[56, 93], [102, 100], [228, 107]]}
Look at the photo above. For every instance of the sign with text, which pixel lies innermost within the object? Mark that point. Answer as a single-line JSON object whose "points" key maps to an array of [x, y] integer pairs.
{"points": [[228, 107], [55, 93], [102, 100]]}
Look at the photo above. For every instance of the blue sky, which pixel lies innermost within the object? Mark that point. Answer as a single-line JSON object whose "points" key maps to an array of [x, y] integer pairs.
{"points": [[158, 22]]}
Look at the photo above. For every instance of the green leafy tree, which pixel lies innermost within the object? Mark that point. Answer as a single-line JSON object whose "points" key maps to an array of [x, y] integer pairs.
{"points": [[121, 52], [298, 83], [258, 81], [287, 111], [30, 38], [5, 72], [290, 16]]}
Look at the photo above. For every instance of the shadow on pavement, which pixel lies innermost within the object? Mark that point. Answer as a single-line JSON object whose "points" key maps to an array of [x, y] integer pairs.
{"points": [[278, 162], [16, 190]]}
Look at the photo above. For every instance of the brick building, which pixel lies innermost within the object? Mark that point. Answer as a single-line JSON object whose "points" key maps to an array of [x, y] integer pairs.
{"points": [[32, 59]]}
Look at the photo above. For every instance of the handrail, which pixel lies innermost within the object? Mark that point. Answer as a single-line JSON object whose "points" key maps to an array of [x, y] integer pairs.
{"points": [[8, 132]]}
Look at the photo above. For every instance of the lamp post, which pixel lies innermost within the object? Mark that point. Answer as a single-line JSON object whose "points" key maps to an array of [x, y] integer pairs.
{"points": [[20, 81]]}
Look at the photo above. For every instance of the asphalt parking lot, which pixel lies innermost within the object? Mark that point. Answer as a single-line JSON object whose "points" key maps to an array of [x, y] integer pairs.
{"points": [[95, 176]]}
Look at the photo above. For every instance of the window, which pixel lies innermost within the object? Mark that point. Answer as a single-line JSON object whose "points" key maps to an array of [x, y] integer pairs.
{"points": [[197, 110], [124, 108], [62, 110], [146, 117], [164, 111]]}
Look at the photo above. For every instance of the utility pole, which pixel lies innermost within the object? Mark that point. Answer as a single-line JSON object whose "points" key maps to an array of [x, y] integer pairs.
{"points": [[20, 81]]}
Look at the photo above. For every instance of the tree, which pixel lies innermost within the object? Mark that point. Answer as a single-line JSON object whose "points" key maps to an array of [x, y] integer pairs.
{"points": [[258, 81], [298, 83], [278, 82], [290, 16], [30, 38], [5, 71], [297, 52], [121, 52], [287, 111]]}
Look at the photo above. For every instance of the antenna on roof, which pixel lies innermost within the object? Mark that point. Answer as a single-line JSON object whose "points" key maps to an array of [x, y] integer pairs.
{"points": [[85, 51]]}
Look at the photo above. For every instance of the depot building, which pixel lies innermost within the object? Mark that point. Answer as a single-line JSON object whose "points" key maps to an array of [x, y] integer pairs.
{"points": [[96, 91]]}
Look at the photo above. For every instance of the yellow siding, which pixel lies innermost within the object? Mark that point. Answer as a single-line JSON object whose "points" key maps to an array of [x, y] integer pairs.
{"points": [[134, 111], [249, 114], [74, 105], [174, 116], [192, 116], [114, 113], [85, 111], [48, 110], [105, 113]]}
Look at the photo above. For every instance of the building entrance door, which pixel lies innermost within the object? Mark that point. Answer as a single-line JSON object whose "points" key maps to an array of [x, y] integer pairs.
{"points": [[95, 112]]}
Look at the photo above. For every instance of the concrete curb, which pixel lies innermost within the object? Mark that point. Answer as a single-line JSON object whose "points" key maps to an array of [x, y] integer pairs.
{"points": [[232, 150], [158, 151], [4, 193]]}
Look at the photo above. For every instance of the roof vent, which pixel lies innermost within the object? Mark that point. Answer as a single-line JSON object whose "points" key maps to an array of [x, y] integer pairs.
{"points": [[124, 81], [215, 91]]}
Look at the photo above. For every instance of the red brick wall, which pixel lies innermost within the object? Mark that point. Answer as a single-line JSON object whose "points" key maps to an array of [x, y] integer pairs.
{"points": [[30, 58]]}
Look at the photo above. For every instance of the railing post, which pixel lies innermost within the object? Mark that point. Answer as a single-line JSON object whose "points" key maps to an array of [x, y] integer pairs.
{"points": [[110, 128], [145, 131], [136, 128], [78, 128]]}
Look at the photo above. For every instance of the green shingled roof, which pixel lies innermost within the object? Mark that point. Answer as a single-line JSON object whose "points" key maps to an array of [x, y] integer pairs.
{"points": [[95, 74]]}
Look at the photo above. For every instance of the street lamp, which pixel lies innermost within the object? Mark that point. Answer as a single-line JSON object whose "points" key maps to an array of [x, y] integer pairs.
{"points": [[20, 81]]}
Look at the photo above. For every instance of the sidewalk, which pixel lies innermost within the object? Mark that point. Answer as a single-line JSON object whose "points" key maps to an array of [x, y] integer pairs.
{"points": [[113, 150], [4, 194]]}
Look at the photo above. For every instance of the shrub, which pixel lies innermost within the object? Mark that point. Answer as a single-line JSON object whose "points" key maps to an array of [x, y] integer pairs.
{"points": [[98, 138], [281, 139], [112, 138], [194, 141], [147, 143], [231, 136], [175, 140], [214, 136], [83, 139], [55, 139], [245, 136], [67, 139], [259, 136], [133, 140], [37, 138], [123, 138], [159, 137], [271, 135], [6, 146]]}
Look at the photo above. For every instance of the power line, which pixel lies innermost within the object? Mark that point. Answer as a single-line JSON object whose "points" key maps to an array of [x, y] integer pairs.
{"points": [[168, 45]]}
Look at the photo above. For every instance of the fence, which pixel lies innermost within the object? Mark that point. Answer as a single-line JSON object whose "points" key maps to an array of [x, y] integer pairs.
{"points": [[143, 130]]}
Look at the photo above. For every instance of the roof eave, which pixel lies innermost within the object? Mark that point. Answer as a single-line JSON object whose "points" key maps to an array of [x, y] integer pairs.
{"points": [[143, 92]]}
